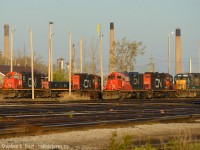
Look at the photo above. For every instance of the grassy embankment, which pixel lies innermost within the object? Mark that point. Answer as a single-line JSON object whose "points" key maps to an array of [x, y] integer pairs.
{"points": [[183, 142]]}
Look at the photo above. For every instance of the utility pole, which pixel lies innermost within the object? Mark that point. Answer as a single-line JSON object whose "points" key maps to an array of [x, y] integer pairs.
{"points": [[70, 57], [93, 60], [25, 58], [199, 57], [169, 46], [190, 62], [50, 53], [11, 50], [51, 58], [32, 70], [81, 55], [101, 60], [73, 59], [169, 53]]}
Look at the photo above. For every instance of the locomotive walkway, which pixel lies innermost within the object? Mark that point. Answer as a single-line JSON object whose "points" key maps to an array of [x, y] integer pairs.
{"points": [[38, 117]]}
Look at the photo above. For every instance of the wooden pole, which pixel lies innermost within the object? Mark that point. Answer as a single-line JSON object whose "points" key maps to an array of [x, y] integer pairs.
{"points": [[49, 56], [51, 52], [70, 57], [101, 62], [11, 50], [81, 55], [32, 69]]}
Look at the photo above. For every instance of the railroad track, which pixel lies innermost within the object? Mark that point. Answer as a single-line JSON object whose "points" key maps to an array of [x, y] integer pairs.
{"points": [[41, 117]]}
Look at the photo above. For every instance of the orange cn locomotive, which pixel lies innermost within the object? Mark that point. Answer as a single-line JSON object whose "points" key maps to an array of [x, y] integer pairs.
{"points": [[12, 80]]}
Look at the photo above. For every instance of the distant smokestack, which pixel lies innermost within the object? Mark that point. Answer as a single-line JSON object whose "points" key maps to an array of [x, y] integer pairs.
{"points": [[178, 59], [112, 55], [6, 41]]}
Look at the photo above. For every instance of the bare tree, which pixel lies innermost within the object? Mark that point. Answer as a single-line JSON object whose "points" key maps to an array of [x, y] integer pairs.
{"points": [[91, 58], [94, 56], [125, 54], [23, 60]]}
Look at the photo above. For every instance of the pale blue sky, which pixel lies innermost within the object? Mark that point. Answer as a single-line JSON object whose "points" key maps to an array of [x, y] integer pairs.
{"points": [[148, 21]]}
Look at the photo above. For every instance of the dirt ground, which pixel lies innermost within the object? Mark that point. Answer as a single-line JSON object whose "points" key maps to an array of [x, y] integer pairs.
{"points": [[95, 139]]}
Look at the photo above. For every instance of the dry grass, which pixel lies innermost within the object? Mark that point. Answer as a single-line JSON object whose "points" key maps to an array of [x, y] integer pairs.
{"points": [[1, 97], [74, 96], [183, 140]]}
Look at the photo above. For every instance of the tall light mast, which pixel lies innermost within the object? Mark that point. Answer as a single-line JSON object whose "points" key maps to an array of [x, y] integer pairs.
{"points": [[11, 50], [101, 60], [81, 55], [70, 61], [50, 54], [32, 69]]}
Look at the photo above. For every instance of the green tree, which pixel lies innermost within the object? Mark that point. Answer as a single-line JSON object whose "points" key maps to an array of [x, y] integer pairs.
{"points": [[59, 76], [126, 53]]}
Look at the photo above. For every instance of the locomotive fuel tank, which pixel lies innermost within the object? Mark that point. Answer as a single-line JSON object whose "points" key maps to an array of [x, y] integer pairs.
{"points": [[58, 85]]}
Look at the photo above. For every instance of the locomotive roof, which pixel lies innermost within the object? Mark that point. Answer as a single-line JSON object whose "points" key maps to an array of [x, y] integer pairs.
{"points": [[133, 73], [187, 74]]}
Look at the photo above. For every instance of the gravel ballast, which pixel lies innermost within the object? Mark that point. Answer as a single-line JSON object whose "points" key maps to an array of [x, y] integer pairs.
{"points": [[99, 138]]}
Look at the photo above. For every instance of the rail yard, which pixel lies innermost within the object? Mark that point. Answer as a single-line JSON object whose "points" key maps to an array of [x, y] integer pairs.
{"points": [[118, 99], [26, 117]]}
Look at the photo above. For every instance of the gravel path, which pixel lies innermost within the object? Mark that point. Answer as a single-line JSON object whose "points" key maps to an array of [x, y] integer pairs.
{"points": [[98, 138]]}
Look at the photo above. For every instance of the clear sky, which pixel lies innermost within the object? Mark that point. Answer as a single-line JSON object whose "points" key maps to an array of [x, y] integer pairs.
{"points": [[148, 21]]}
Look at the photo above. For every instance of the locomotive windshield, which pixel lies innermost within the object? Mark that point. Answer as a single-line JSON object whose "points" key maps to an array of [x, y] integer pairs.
{"points": [[17, 76], [111, 76], [119, 77], [182, 77], [9, 76]]}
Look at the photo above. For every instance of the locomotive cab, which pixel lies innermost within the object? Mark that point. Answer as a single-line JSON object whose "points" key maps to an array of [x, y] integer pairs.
{"points": [[181, 85], [187, 81], [12, 80], [118, 81], [182, 81]]}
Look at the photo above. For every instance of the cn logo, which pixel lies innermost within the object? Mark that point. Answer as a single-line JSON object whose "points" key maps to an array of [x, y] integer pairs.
{"points": [[158, 83], [30, 82], [87, 83]]}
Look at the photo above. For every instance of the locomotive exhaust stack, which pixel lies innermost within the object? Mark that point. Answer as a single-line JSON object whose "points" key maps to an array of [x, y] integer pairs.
{"points": [[178, 59], [112, 55]]}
